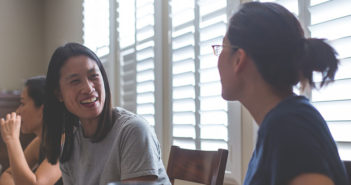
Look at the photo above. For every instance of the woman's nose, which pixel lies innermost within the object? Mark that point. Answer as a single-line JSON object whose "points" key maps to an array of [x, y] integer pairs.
{"points": [[88, 87], [18, 111]]}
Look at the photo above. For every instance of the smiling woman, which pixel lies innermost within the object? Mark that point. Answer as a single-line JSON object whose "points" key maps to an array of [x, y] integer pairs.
{"points": [[83, 93], [101, 144]]}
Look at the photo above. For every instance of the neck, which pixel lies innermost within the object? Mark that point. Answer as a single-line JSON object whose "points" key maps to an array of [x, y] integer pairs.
{"points": [[89, 126], [262, 99], [38, 132]]}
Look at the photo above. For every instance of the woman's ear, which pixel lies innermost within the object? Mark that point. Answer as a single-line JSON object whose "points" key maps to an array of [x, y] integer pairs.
{"points": [[240, 60], [58, 95]]}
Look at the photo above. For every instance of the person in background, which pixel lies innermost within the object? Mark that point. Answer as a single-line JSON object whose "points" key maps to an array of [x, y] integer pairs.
{"points": [[29, 166], [101, 144], [263, 55]]}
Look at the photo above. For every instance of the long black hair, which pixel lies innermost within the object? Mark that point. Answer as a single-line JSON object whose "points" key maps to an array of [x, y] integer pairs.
{"points": [[57, 119], [36, 89], [274, 39]]}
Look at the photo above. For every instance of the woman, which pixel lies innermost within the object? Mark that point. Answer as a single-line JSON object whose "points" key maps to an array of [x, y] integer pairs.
{"points": [[264, 55], [28, 166], [101, 144]]}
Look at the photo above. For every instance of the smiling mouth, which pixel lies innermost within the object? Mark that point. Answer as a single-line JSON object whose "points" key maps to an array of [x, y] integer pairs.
{"points": [[90, 100]]}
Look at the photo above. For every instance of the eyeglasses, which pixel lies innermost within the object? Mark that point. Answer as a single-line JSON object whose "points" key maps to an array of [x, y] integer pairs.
{"points": [[217, 49]]}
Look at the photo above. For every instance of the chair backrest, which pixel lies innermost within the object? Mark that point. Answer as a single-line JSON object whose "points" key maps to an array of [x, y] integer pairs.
{"points": [[348, 169], [206, 167]]}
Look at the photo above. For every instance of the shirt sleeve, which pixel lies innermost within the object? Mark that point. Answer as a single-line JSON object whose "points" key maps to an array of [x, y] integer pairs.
{"points": [[294, 149], [140, 150]]}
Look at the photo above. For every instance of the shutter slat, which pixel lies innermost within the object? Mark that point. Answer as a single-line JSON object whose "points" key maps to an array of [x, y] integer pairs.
{"points": [[334, 102]]}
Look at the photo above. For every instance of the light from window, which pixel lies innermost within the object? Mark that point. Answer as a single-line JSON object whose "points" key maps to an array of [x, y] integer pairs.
{"points": [[200, 117], [96, 26], [334, 101]]}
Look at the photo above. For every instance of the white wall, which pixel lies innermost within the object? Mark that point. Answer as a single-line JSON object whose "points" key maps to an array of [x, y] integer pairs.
{"points": [[21, 41], [30, 30], [63, 23]]}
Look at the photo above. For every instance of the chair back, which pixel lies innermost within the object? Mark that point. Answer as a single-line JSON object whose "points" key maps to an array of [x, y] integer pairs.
{"points": [[206, 167]]}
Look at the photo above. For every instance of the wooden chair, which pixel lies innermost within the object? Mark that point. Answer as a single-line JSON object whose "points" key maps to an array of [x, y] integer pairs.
{"points": [[348, 169], [206, 167]]}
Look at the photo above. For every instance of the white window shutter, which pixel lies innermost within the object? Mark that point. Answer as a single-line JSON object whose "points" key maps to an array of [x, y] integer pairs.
{"points": [[96, 27], [126, 38], [137, 54], [334, 101], [145, 56], [183, 73], [200, 116], [199, 112]]}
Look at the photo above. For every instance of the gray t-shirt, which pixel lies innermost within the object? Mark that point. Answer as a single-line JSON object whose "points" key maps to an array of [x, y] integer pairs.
{"points": [[130, 150]]}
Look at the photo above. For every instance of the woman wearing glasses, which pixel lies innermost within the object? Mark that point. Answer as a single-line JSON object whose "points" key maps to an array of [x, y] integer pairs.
{"points": [[264, 55]]}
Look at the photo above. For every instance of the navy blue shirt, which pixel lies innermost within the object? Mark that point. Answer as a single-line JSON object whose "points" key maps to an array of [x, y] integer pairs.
{"points": [[294, 139]]}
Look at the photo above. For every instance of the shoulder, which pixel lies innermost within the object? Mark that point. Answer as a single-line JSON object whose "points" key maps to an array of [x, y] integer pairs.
{"points": [[294, 122], [34, 143], [128, 120], [122, 115], [129, 124], [33, 148], [294, 112]]}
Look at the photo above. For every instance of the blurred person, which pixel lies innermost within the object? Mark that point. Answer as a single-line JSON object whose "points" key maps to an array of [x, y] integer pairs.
{"points": [[28, 166]]}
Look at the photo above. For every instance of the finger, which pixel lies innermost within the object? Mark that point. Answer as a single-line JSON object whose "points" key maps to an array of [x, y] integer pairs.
{"points": [[13, 115], [2, 121], [8, 116], [18, 119]]}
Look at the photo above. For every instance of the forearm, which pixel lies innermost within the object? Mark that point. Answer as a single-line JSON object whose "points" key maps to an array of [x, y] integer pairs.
{"points": [[21, 172], [6, 179]]}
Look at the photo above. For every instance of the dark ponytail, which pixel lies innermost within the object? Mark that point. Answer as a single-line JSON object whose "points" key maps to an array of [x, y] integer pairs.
{"points": [[321, 57], [274, 39]]}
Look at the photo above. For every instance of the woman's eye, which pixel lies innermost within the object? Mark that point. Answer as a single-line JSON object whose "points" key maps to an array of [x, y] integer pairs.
{"points": [[94, 76], [74, 81]]}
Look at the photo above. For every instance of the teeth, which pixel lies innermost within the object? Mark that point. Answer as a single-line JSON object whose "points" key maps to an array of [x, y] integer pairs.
{"points": [[91, 100]]}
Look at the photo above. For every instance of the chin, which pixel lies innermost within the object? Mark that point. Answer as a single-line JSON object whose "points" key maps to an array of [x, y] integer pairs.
{"points": [[225, 97], [24, 131], [92, 115], [228, 97]]}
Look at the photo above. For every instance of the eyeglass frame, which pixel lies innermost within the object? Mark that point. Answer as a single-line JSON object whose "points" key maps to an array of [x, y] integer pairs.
{"points": [[217, 48]]}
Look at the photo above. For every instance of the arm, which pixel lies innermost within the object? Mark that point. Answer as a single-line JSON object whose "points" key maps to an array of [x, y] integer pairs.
{"points": [[6, 178], [140, 156], [311, 179], [21, 162], [296, 155], [31, 153], [47, 173], [143, 179]]}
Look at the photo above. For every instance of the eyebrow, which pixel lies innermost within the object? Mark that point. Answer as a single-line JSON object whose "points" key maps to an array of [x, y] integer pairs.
{"points": [[94, 69], [71, 76], [75, 75]]}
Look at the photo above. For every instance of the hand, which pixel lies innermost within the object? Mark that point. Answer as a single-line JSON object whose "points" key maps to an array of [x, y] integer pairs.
{"points": [[10, 128]]}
